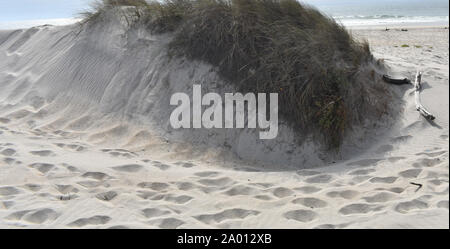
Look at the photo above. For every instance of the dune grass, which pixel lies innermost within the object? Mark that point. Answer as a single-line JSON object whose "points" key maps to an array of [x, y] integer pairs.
{"points": [[277, 46]]}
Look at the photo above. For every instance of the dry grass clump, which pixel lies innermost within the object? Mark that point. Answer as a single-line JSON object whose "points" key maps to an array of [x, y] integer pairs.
{"points": [[277, 46]]}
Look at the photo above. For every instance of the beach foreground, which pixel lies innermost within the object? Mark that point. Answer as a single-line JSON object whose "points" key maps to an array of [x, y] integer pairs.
{"points": [[52, 179]]}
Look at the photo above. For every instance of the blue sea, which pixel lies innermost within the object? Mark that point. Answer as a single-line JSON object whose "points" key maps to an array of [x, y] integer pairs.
{"points": [[385, 12], [27, 13]]}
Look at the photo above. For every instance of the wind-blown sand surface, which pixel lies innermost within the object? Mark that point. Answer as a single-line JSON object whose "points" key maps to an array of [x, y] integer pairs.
{"points": [[54, 178]]}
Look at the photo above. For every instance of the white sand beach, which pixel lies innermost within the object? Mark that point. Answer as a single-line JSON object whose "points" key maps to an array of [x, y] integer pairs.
{"points": [[71, 158]]}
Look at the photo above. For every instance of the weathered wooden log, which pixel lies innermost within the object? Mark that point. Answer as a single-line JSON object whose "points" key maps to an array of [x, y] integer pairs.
{"points": [[391, 80], [419, 106]]}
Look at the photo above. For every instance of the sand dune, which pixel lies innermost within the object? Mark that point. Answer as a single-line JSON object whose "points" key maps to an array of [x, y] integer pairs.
{"points": [[80, 151]]}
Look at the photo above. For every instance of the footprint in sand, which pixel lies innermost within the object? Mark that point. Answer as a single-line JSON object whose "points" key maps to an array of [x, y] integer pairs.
{"points": [[188, 165], [262, 185], [43, 153], [235, 213], [185, 164], [308, 189], [44, 168], [158, 197], [8, 152], [396, 190], [70, 167], [405, 207], [160, 165], [94, 220], [157, 186], [154, 212], [185, 185], [207, 174], [66, 189], [389, 179], [72, 147], [129, 168], [217, 182], [37, 216], [10, 161], [32, 187], [359, 208], [40, 216], [263, 197], [410, 173], [310, 202], [241, 190], [437, 182], [106, 196], [96, 175], [146, 194], [361, 172], [89, 184], [210, 189], [380, 197], [346, 194], [301, 215], [120, 227], [282, 192], [332, 226], [76, 147], [181, 199], [168, 223], [120, 153]]}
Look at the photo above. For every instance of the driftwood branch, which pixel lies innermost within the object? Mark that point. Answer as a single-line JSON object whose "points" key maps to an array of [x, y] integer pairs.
{"points": [[419, 186], [391, 80], [419, 106]]}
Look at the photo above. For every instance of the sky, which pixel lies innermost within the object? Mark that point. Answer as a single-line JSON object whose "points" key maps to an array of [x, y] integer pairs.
{"points": [[22, 11]]}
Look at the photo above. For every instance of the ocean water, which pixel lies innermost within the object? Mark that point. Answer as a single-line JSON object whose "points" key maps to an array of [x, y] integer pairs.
{"points": [[25, 13], [385, 12]]}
